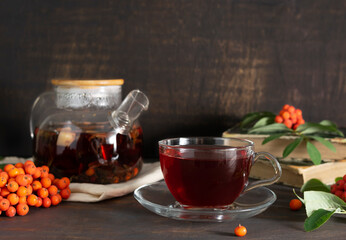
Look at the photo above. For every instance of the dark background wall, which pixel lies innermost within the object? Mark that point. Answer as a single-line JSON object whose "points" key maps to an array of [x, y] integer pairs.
{"points": [[203, 63]]}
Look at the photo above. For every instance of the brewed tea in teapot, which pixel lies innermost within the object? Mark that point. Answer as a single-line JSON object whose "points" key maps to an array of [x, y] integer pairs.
{"points": [[82, 130]]}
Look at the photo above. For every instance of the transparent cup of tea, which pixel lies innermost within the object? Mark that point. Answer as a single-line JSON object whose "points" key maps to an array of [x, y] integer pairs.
{"points": [[211, 172]]}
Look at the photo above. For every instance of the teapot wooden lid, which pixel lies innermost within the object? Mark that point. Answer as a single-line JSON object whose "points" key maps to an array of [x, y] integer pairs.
{"points": [[98, 82]]}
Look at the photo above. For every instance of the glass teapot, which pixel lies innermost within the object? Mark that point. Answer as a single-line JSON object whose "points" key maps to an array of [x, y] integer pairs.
{"points": [[83, 131]]}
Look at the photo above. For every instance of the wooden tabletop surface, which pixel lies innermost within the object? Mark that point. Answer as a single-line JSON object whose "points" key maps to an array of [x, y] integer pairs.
{"points": [[125, 218]]}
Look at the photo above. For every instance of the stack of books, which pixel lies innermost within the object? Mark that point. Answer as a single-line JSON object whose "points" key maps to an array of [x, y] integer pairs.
{"points": [[297, 168]]}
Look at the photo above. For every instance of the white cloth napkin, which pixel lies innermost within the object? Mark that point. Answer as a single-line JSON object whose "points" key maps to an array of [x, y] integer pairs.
{"points": [[88, 192]]}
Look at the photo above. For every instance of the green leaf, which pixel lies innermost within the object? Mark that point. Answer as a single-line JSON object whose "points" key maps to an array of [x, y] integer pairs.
{"points": [[313, 152], [337, 179], [315, 185], [325, 142], [263, 122], [302, 127], [272, 137], [271, 128], [290, 147], [249, 118], [316, 128], [317, 219], [252, 117], [2, 165], [316, 199], [328, 123], [319, 207]]}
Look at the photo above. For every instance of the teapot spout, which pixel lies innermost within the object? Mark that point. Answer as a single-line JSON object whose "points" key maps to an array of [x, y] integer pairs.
{"points": [[129, 110]]}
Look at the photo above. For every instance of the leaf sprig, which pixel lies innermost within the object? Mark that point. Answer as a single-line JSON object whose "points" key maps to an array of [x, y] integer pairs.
{"points": [[320, 204], [263, 123]]}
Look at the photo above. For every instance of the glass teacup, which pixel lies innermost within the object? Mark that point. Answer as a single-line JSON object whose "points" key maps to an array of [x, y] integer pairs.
{"points": [[210, 172]]}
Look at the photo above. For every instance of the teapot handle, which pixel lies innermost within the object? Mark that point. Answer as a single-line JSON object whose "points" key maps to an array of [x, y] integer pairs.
{"points": [[42, 106]]}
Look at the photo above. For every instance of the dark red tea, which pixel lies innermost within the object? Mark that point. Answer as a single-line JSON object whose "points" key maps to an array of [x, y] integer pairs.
{"points": [[205, 179], [89, 153]]}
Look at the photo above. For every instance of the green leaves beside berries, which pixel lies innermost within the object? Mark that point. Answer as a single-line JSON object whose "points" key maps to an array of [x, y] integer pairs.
{"points": [[2, 165], [317, 219], [315, 185], [320, 204], [251, 118], [307, 133], [290, 147]]}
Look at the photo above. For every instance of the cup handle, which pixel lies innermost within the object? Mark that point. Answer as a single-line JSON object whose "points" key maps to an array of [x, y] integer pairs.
{"points": [[265, 182]]}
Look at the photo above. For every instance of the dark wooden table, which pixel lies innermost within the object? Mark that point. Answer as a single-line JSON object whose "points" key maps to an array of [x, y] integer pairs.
{"points": [[125, 218]]}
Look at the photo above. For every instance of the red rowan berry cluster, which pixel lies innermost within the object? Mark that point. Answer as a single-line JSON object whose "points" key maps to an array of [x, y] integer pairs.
{"points": [[24, 185], [290, 116], [339, 188]]}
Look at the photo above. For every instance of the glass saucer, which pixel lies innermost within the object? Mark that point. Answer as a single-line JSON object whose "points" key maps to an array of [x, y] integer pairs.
{"points": [[157, 198]]}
